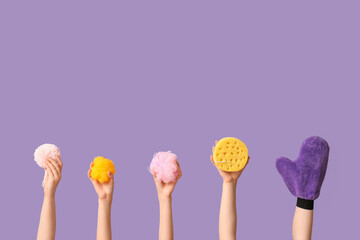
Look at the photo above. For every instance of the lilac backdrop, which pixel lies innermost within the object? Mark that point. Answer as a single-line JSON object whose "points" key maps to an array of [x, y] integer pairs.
{"points": [[126, 79]]}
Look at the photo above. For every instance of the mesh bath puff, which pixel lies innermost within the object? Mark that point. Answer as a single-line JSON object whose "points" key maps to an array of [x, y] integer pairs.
{"points": [[100, 168], [230, 154], [165, 166], [43, 151]]}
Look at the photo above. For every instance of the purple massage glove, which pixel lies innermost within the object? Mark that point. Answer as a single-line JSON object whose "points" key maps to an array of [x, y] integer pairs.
{"points": [[305, 175]]}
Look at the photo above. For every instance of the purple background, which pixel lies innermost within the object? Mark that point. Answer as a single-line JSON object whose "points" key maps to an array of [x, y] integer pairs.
{"points": [[126, 79]]}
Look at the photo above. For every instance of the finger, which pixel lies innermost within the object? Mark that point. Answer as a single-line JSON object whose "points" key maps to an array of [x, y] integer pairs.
{"points": [[213, 162], [49, 169], [89, 172], [180, 174], [96, 183], [154, 175], [247, 161], [157, 181], [111, 176], [53, 161], [178, 177], [53, 169], [59, 161], [56, 165]]}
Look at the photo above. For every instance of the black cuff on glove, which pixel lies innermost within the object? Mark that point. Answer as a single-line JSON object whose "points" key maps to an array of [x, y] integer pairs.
{"points": [[305, 204]]}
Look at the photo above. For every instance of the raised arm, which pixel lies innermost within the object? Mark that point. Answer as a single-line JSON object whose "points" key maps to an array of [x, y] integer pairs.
{"points": [[47, 225], [105, 195], [304, 177], [228, 213], [164, 191], [303, 219]]}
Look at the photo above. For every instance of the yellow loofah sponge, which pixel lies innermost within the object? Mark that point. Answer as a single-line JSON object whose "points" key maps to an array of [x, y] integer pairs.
{"points": [[100, 168], [230, 154]]}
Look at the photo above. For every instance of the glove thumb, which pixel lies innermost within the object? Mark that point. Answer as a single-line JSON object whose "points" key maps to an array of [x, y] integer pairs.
{"points": [[287, 170]]}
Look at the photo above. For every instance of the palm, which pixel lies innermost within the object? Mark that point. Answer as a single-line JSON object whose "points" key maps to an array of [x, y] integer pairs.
{"points": [[50, 184], [103, 189], [229, 176], [165, 189]]}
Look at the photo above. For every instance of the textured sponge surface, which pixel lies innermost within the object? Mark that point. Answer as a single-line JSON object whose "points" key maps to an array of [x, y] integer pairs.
{"points": [[100, 168], [165, 166], [230, 154], [44, 151]]}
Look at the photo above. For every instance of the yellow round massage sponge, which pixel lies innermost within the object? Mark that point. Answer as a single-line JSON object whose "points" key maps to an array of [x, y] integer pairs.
{"points": [[230, 154], [100, 168]]}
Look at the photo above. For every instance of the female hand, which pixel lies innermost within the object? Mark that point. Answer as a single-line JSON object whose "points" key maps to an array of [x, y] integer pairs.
{"points": [[103, 190], [165, 189], [53, 170]]}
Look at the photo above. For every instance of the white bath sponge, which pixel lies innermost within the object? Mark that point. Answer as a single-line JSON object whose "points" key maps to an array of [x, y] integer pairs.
{"points": [[43, 151]]}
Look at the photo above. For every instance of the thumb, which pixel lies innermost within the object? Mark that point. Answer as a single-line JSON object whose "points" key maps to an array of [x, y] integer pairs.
{"points": [[111, 176]]}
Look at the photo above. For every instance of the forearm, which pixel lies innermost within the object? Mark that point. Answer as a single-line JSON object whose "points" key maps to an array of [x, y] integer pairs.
{"points": [[166, 221], [47, 225], [227, 216], [302, 224], [104, 220]]}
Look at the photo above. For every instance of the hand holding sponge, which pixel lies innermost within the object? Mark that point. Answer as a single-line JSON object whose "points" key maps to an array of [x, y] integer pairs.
{"points": [[165, 167], [99, 169], [44, 151], [230, 154]]}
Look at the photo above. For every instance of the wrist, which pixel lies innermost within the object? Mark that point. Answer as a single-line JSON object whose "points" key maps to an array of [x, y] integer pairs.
{"points": [[164, 197], [228, 185], [305, 203], [106, 200], [230, 179], [165, 201], [230, 182], [48, 195]]}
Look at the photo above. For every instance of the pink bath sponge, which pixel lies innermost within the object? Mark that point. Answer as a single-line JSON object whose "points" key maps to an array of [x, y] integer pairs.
{"points": [[165, 167], [43, 151]]}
